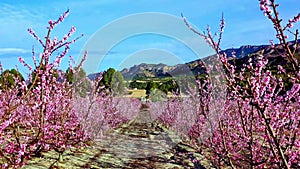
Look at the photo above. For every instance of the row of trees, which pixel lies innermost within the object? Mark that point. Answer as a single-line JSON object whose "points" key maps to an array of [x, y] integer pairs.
{"points": [[8, 79], [254, 125], [174, 85], [48, 110], [37, 114], [163, 85], [112, 81], [246, 117]]}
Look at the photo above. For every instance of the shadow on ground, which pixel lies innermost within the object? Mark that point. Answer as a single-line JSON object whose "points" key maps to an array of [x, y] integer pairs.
{"points": [[141, 143]]}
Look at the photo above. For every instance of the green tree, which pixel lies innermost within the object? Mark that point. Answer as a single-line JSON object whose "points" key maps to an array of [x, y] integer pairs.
{"points": [[169, 86], [156, 95], [7, 78], [138, 85], [69, 75], [107, 77], [84, 85], [118, 83], [106, 80], [78, 78], [151, 86]]}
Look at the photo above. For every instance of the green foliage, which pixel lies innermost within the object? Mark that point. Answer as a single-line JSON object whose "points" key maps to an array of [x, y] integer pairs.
{"points": [[138, 84], [157, 95], [185, 84], [79, 79], [151, 85], [113, 81], [169, 86], [82, 84], [117, 83], [164, 84], [107, 78], [7, 78], [69, 76]]}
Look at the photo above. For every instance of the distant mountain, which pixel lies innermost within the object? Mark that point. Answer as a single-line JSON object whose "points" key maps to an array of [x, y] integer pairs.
{"points": [[194, 67], [147, 71], [243, 51], [273, 54], [241, 54], [93, 76]]}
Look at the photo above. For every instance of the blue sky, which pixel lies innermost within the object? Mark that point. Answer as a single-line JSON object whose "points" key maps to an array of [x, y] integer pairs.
{"points": [[245, 24]]}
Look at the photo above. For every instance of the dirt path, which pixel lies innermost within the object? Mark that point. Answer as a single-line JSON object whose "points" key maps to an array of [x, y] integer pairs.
{"points": [[139, 144]]}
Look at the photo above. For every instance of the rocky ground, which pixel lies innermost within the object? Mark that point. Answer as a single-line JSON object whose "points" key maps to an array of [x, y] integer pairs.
{"points": [[141, 143]]}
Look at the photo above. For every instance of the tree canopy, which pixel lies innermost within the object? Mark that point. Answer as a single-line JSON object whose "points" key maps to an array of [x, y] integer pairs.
{"points": [[7, 78], [79, 80], [117, 83], [113, 81]]}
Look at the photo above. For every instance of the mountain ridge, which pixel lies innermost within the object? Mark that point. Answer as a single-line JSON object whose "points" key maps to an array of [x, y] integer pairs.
{"points": [[195, 67]]}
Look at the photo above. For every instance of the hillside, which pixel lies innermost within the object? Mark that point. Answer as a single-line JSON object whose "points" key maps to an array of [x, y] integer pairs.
{"points": [[242, 54], [194, 67]]}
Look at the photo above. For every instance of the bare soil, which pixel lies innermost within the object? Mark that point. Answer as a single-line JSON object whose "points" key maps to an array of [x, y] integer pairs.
{"points": [[141, 143]]}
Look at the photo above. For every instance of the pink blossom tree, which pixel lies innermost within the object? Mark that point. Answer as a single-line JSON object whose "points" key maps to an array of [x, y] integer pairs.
{"points": [[259, 125], [99, 112], [40, 116]]}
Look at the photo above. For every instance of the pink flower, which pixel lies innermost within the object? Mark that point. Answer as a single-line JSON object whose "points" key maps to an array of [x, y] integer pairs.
{"points": [[4, 125]]}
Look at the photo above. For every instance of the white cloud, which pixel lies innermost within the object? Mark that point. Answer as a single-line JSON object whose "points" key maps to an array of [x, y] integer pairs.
{"points": [[12, 51]]}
